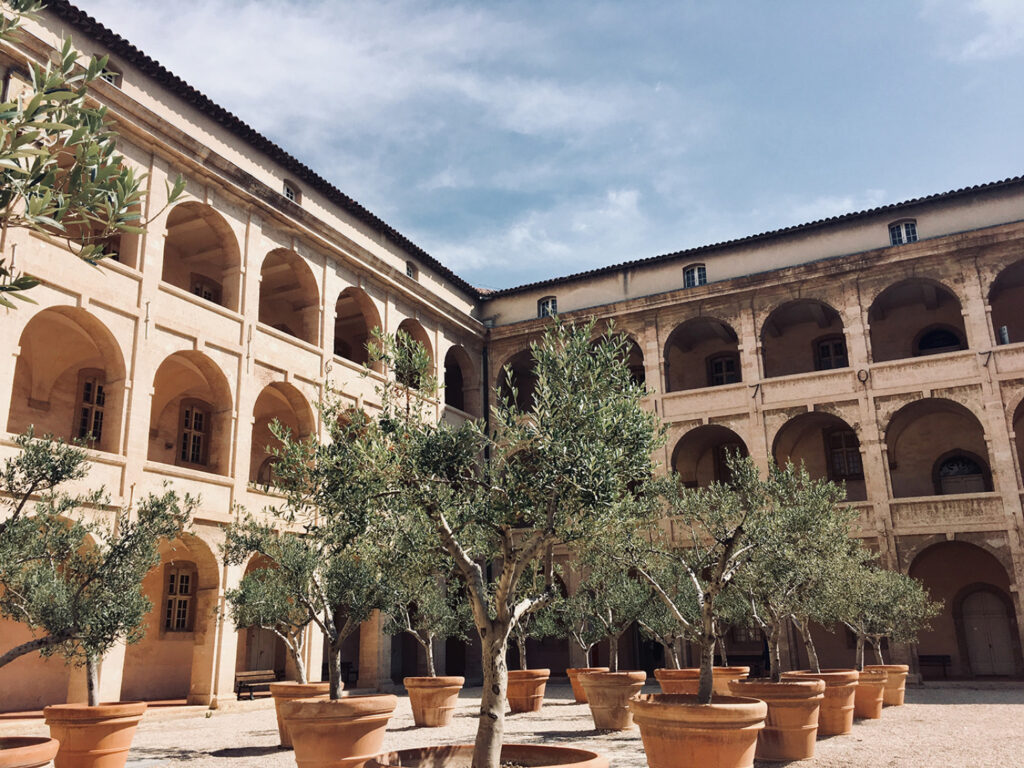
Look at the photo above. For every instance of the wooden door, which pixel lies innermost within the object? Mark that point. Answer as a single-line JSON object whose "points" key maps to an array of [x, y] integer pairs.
{"points": [[987, 630], [262, 646]]}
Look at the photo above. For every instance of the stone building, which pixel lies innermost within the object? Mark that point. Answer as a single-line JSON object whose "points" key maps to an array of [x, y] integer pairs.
{"points": [[884, 348]]}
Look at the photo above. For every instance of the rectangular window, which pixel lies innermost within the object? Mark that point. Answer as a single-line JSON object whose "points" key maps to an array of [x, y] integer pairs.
{"points": [[547, 307], [178, 605], [830, 353], [844, 455], [412, 271], [91, 401], [903, 232], [695, 275], [194, 426], [723, 369], [205, 288]]}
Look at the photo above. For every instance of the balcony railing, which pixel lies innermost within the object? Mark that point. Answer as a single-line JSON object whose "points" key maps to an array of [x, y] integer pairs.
{"points": [[944, 513]]}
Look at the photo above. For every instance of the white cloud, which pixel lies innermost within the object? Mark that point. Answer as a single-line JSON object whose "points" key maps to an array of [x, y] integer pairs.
{"points": [[978, 29]]}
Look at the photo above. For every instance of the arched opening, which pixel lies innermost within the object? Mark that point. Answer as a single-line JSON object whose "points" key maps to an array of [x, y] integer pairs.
{"points": [[933, 447], [289, 299], [190, 419], [1006, 298], [976, 628], [261, 649], [355, 318], [1018, 435], [201, 254], [283, 403], [69, 379], [174, 660], [416, 332], [827, 446], [461, 387], [803, 336], [913, 318], [700, 456], [517, 380], [702, 352]]}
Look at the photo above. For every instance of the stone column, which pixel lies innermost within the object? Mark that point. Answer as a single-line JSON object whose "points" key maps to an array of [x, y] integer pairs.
{"points": [[374, 655]]}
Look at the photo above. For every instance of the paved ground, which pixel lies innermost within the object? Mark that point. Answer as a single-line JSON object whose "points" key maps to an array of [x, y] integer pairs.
{"points": [[953, 726]]}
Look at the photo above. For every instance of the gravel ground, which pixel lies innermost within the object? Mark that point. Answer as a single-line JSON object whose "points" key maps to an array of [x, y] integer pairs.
{"points": [[951, 725]]}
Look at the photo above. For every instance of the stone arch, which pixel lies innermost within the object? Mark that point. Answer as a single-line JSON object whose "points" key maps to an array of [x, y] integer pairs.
{"points": [[1017, 426], [827, 446], [190, 417], [261, 649], [701, 352], [922, 432], [517, 373], [289, 297], [355, 318], [201, 254], [415, 331], [461, 381], [953, 572], [69, 379], [176, 660], [699, 456], [801, 336], [283, 403], [910, 312], [1006, 299]]}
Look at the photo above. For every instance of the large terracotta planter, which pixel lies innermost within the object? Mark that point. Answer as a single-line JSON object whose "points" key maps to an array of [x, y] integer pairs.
{"points": [[574, 680], [836, 714], [608, 694], [678, 732], [26, 751], [93, 737], [867, 702], [688, 680], [341, 733], [895, 683], [461, 756], [433, 699], [525, 691], [792, 722], [287, 691]]}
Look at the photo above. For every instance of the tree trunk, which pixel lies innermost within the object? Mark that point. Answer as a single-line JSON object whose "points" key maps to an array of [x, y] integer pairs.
{"points": [[428, 649], [721, 650], [805, 634], [586, 655], [877, 646], [613, 653], [707, 662], [92, 675], [334, 669], [775, 651], [859, 661], [295, 649], [671, 660], [521, 647], [489, 733]]}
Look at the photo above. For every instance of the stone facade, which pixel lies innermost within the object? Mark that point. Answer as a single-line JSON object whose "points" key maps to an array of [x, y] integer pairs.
{"points": [[897, 369]]}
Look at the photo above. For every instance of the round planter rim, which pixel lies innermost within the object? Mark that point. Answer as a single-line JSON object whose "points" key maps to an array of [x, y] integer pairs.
{"points": [[438, 681], [789, 688], [577, 757]]}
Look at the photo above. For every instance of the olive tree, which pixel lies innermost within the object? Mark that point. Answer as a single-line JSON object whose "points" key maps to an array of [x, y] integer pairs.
{"points": [[75, 583], [60, 173], [497, 502], [658, 624]]}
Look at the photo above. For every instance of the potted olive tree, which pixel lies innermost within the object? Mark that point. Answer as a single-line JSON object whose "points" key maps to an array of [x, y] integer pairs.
{"points": [[77, 584], [807, 526], [557, 474], [724, 525], [574, 620], [526, 685], [318, 542]]}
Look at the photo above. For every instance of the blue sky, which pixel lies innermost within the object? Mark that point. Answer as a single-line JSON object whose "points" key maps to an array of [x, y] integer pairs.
{"points": [[517, 141]]}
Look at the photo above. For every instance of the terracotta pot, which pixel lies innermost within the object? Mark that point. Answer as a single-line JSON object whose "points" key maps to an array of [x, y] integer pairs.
{"points": [[287, 691], [93, 737], [792, 723], [433, 699], [867, 702], [608, 694], [895, 683], [836, 714], [678, 732], [461, 756], [525, 691], [341, 733], [688, 680], [574, 680], [26, 751]]}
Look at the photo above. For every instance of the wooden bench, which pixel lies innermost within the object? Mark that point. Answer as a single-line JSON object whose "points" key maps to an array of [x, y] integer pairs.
{"points": [[933, 660], [256, 680]]}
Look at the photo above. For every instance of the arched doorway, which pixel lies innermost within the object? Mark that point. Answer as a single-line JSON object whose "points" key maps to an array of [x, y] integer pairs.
{"points": [[413, 330], [700, 456], [69, 379], [914, 318], [803, 336], [1006, 298], [355, 318], [517, 377], [461, 389], [283, 403], [201, 254], [975, 633], [289, 298], [261, 649], [827, 446], [701, 352]]}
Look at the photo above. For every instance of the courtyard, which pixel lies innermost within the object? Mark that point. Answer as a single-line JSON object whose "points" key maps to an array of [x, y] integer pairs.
{"points": [[955, 725]]}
